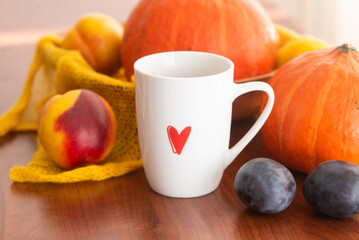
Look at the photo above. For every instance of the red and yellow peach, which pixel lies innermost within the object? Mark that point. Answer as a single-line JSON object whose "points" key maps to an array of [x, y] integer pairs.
{"points": [[77, 128]]}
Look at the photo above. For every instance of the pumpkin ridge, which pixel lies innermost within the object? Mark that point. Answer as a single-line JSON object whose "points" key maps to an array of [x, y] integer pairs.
{"points": [[222, 26], [173, 42], [355, 68], [347, 113], [201, 22], [355, 63], [317, 118], [251, 32], [287, 101]]}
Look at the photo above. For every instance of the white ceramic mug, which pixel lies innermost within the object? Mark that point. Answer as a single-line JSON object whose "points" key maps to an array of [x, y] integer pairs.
{"points": [[184, 108]]}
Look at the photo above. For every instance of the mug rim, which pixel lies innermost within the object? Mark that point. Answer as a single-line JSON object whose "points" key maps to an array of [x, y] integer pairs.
{"points": [[137, 68]]}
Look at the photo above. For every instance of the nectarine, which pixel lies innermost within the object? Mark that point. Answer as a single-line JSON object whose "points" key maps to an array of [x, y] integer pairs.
{"points": [[77, 128], [98, 37]]}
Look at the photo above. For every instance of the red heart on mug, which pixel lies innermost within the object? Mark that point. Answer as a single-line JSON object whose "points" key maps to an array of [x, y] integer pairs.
{"points": [[178, 140]]}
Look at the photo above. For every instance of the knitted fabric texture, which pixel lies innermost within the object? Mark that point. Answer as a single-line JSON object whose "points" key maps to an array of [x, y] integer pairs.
{"points": [[55, 70]]}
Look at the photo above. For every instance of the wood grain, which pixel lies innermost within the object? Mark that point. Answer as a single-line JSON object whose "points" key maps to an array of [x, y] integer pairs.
{"points": [[126, 208]]}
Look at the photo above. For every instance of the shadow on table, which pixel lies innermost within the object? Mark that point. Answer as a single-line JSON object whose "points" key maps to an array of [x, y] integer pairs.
{"points": [[298, 221]]}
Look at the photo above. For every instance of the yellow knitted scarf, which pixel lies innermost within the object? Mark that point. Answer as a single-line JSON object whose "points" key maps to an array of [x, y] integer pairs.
{"points": [[55, 70]]}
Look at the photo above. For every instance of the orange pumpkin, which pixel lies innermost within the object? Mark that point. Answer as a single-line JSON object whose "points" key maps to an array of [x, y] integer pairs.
{"points": [[315, 117], [238, 29]]}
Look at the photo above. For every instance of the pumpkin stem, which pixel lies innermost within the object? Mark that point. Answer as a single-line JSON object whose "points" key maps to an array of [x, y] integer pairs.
{"points": [[346, 48]]}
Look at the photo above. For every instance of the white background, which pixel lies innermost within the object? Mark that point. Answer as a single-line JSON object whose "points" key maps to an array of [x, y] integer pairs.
{"points": [[336, 21]]}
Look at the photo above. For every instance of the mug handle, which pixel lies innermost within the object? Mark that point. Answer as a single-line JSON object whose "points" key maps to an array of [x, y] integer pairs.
{"points": [[238, 90]]}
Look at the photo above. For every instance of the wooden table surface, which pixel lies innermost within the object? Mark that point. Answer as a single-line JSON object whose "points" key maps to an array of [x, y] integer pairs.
{"points": [[126, 208]]}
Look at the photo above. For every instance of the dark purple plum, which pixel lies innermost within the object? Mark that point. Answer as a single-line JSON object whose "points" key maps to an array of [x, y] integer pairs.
{"points": [[265, 185], [332, 188]]}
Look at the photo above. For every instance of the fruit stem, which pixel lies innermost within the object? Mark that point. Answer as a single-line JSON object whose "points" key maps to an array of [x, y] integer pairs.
{"points": [[346, 48]]}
